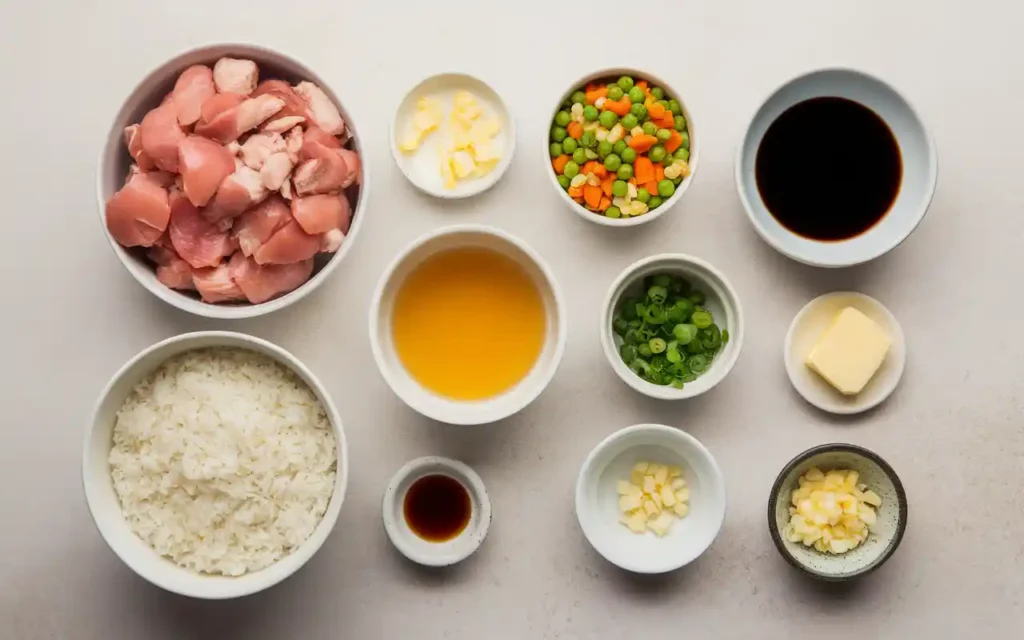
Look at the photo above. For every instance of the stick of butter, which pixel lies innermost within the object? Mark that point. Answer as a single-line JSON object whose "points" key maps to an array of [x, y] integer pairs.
{"points": [[849, 352]]}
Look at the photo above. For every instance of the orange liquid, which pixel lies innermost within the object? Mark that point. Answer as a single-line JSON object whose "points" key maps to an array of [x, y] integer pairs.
{"points": [[468, 323]]}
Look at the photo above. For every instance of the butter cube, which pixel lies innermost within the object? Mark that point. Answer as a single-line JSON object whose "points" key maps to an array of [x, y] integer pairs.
{"points": [[849, 352]]}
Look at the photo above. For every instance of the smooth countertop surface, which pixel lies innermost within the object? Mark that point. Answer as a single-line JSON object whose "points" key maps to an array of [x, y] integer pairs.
{"points": [[953, 429]]}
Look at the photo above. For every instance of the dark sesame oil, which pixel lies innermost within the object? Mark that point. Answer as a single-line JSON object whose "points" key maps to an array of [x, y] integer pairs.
{"points": [[437, 508]]}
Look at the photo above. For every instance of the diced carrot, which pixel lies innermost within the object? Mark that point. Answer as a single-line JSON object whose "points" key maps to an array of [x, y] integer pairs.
{"points": [[595, 93], [642, 143], [575, 130], [592, 195], [667, 121], [619, 107], [652, 187], [559, 163], [643, 169], [579, 199], [599, 170], [659, 172], [673, 143], [576, 192], [656, 111], [604, 204], [606, 185], [643, 85], [632, 181]]}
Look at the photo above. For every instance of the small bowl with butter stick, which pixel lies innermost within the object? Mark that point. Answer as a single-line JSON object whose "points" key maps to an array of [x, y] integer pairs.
{"points": [[845, 352]]}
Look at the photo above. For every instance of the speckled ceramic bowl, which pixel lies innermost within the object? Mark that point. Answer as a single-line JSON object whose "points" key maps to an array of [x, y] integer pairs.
{"points": [[886, 534]]}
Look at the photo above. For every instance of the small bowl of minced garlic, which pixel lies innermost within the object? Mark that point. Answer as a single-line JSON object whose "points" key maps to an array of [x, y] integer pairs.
{"points": [[837, 512]]}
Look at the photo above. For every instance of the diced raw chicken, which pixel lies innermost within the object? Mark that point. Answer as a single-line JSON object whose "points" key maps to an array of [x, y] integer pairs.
{"points": [[171, 270], [238, 192], [321, 213], [325, 172], [316, 135], [218, 104], [286, 189], [198, 242], [280, 125], [263, 282], [137, 215], [293, 141], [193, 88], [258, 224], [294, 105], [355, 167], [133, 139], [259, 147], [321, 109], [231, 75], [275, 170], [161, 136], [229, 124], [216, 285], [331, 241], [163, 178], [204, 165], [233, 147], [288, 244]]}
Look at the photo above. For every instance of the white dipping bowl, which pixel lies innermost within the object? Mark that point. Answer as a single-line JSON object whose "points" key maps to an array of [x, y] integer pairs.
{"points": [[114, 162], [444, 409], [917, 150], [722, 301], [597, 498], [105, 507], [683, 186], [421, 167]]}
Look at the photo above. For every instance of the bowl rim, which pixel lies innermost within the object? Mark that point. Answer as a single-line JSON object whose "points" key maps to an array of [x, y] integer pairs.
{"points": [[482, 184], [800, 458], [527, 396], [308, 548], [638, 431], [664, 392], [205, 309], [683, 187], [898, 239]]}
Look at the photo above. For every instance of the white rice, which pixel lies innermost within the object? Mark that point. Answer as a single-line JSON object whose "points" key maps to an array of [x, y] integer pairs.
{"points": [[223, 460]]}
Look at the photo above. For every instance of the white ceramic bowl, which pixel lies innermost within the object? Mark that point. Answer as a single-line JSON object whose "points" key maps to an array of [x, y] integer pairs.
{"points": [[421, 167], [105, 506], [722, 302], [919, 158], [597, 498], [114, 162], [886, 534], [436, 554], [690, 127], [456, 411], [808, 326]]}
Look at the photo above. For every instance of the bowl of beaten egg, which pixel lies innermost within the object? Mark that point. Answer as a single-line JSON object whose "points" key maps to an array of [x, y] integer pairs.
{"points": [[467, 325]]}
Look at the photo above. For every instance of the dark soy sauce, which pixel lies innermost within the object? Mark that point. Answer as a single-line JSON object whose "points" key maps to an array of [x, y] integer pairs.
{"points": [[437, 508], [828, 168]]}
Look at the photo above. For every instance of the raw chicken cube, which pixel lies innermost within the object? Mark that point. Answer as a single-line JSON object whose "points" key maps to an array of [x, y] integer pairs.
{"points": [[294, 105], [258, 224], [217, 105], [133, 140], [260, 146], [282, 124], [232, 122], [321, 213], [263, 282], [331, 241], [204, 165], [231, 75], [171, 270], [216, 285], [322, 110], [288, 244], [275, 170], [138, 214], [193, 88], [236, 193], [198, 242], [161, 135]]}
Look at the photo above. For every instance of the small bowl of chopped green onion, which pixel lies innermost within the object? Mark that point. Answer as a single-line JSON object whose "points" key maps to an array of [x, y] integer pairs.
{"points": [[621, 147], [672, 326]]}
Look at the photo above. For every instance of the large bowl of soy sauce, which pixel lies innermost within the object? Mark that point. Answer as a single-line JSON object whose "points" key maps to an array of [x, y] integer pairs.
{"points": [[836, 168]]}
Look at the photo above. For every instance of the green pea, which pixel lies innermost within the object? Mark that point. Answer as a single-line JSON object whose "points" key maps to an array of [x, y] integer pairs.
{"points": [[686, 140], [590, 113], [603, 149], [663, 103], [615, 92], [677, 180], [562, 118], [650, 128], [571, 169], [625, 83], [657, 153], [563, 181], [619, 147], [638, 110], [628, 155], [680, 123], [620, 188], [682, 154], [613, 212], [643, 195], [569, 145], [579, 156], [558, 134], [612, 162], [658, 93], [655, 202], [636, 95], [625, 172], [579, 98], [674, 107], [629, 121], [657, 345], [666, 188], [608, 119], [556, 149], [588, 139], [663, 135]]}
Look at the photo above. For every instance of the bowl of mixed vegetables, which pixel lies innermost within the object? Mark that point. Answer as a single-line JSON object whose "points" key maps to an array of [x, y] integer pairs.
{"points": [[672, 326], [621, 147]]}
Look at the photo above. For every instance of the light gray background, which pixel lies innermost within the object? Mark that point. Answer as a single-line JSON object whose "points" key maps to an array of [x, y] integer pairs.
{"points": [[72, 315]]}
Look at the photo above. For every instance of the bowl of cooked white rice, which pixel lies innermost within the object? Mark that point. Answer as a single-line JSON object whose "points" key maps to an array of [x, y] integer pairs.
{"points": [[215, 464]]}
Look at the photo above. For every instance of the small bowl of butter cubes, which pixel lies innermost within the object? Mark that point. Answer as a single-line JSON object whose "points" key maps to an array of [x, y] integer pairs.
{"points": [[453, 136], [650, 498]]}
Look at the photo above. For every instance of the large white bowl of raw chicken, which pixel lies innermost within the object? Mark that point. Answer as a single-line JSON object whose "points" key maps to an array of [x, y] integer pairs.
{"points": [[232, 181]]}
